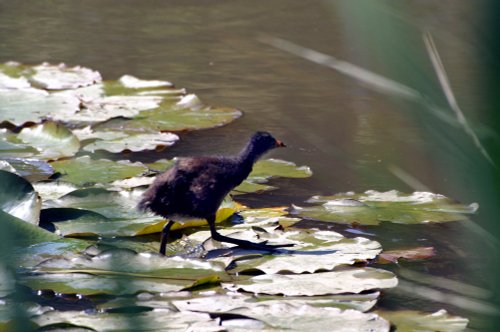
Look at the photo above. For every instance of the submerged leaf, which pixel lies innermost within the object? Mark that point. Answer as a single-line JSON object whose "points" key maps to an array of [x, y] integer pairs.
{"points": [[373, 207]]}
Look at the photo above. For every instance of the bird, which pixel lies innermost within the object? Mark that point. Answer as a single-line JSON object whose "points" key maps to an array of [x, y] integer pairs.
{"points": [[194, 187]]}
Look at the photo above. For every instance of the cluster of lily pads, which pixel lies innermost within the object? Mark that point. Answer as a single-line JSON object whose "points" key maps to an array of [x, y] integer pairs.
{"points": [[69, 223]]}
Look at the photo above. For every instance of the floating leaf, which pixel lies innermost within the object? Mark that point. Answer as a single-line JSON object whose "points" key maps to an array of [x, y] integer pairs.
{"points": [[227, 302], [264, 170], [132, 82], [154, 320], [373, 207], [31, 169], [336, 282], [32, 105], [120, 272], [53, 189], [23, 234], [52, 140], [11, 146], [407, 321], [133, 142], [324, 250], [169, 118], [18, 198], [99, 212], [83, 170], [61, 77], [286, 316], [412, 254]]}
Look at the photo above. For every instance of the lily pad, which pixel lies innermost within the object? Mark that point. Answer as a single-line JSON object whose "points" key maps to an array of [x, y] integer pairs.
{"points": [[324, 250], [83, 170], [32, 105], [153, 320], [18, 198], [353, 280], [22, 234], [286, 316], [222, 303], [170, 118], [132, 82], [31, 169], [121, 272], [413, 254], [133, 142], [373, 207], [407, 321], [100, 212], [61, 77], [12, 147], [266, 169], [52, 140]]}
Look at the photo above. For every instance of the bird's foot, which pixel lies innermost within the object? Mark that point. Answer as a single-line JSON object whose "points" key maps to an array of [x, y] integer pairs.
{"points": [[250, 245]]}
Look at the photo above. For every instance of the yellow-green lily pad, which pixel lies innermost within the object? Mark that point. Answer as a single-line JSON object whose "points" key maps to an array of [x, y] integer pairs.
{"points": [[373, 207]]}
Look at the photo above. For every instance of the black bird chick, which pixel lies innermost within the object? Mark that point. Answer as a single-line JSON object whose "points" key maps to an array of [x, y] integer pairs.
{"points": [[195, 187]]}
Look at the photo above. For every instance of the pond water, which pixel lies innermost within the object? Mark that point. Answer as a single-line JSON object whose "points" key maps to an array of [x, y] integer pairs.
{"points": [[351, 136]]}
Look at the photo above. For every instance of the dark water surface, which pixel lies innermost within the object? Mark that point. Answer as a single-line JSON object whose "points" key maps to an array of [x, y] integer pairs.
{"points": [[350, 136]]}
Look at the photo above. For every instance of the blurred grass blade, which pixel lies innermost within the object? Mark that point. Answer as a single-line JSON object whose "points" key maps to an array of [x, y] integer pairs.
{"points": [[450, 96], [373, 80]]}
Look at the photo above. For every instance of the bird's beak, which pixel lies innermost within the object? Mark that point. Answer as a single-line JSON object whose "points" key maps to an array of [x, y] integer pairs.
{"points": [[280, 144]]}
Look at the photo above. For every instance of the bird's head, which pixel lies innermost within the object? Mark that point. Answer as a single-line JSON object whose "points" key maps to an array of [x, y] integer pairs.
{"points": [[263, 141]]}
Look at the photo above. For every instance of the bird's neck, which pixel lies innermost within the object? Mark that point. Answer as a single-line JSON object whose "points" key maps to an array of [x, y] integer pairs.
{"points": [[249, 155]]}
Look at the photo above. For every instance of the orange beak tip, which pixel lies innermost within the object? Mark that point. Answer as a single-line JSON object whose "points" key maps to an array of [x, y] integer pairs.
{"points": [[280, 143]]}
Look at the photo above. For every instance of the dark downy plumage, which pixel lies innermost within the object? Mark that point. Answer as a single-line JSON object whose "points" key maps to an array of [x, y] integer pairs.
{"points": [[196, 186]]}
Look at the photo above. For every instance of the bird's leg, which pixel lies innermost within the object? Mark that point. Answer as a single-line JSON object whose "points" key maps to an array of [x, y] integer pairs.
{"points": [[164, 236], [242, 243]]}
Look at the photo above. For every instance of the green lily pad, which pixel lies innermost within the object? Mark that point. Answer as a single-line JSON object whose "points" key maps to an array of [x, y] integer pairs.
{"points": [[18, 198], [353, 280], [32, 105], [373, 207], [407, 320], [133, 142], [83, 170], [264, 170], [61, 77], [52, 140]]}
